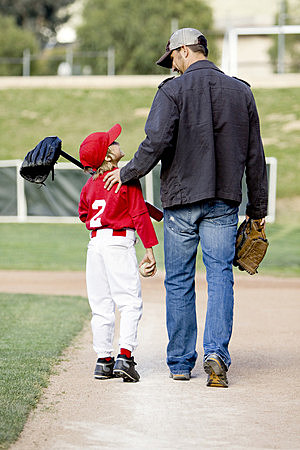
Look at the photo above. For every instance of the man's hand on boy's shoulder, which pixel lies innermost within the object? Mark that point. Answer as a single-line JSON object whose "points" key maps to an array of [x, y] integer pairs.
{"points": [[112, 178]]}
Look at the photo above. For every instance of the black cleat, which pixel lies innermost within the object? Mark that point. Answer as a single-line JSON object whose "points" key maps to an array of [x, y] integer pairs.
{"points": [[216, 370], [124, 368], [104, 369]]}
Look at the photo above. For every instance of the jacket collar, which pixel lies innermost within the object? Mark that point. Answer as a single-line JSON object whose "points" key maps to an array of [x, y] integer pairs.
{"points": [[203, 64]]}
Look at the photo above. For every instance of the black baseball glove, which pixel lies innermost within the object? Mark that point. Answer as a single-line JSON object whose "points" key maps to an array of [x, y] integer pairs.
{"points": [[251, 245], [39, 162]]}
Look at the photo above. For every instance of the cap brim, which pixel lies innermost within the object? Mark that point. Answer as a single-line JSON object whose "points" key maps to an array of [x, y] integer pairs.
{"points": [[113, 133], [165, 60]]}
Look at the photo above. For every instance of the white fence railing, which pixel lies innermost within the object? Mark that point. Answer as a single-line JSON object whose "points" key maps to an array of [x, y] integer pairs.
{"points": [[21, 201]]}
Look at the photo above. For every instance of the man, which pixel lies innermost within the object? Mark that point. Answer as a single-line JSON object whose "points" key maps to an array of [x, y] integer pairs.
{"points": [[204, 128]]}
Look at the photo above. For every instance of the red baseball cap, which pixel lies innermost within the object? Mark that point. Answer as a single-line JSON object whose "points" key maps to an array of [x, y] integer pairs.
{"points": [[93, 149]]}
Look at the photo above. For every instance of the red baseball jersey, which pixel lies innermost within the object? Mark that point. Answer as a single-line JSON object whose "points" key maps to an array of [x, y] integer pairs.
{"points": [[100, 208]]}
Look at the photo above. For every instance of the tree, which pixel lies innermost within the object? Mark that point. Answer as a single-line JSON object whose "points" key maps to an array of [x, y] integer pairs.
{"points": [[139, 31], [40, 16], [290, 15], [13, 40]]}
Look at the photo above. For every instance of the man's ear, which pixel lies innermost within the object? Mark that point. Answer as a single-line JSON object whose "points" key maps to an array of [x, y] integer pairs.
{"points": [[108, 158], [185, 51]]}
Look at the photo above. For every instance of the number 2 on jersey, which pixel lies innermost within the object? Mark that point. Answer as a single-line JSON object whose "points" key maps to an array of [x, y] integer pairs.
{"points": [[95, 221]]}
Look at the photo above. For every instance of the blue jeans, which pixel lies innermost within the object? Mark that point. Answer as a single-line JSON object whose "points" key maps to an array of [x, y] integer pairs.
{"points": [[214, 224]]}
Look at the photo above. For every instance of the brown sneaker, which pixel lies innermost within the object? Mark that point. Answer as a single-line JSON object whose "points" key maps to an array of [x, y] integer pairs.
{"points": [[216, 370]]}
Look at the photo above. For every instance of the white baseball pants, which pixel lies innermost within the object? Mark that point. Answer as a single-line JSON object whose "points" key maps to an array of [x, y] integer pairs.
{"points": [[112, 278]]}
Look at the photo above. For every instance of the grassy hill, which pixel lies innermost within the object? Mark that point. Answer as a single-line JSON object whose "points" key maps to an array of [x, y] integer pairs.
{"points": [[28, 115]]}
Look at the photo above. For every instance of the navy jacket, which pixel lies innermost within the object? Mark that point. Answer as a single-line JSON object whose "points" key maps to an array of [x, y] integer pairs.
{"points": [[204, 127]]}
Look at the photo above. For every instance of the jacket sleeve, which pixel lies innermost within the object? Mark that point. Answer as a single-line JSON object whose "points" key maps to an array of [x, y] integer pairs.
{"points": [[139, 213], [160, 126], [256, 172]]}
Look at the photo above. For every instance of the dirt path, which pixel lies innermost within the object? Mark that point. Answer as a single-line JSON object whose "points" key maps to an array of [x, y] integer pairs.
{"points": [[260, 410]]}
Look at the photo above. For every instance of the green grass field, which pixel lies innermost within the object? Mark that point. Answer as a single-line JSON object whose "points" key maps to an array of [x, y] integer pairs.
{"points": [[34, 331], [63, 247]]}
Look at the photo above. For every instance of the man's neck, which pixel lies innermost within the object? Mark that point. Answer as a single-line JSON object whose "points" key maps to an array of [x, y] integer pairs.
{"points": [[194, 59]]}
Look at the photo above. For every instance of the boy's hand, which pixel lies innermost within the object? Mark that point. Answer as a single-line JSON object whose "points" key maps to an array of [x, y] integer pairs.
{"points": [[112, 178], [150, 264]]}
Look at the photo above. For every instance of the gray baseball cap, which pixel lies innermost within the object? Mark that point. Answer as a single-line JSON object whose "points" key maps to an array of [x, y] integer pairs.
{"points": [[184, 36]]}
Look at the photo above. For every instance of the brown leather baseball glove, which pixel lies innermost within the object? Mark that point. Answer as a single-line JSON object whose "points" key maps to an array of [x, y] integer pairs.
{"points": [[251, 245]]}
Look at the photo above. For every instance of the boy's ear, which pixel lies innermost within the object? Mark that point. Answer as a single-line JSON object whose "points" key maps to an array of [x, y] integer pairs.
{"points": [[108, 158]]}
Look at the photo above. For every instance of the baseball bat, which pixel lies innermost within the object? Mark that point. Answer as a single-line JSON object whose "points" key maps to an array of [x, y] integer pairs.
{"points": [[71, 159]]}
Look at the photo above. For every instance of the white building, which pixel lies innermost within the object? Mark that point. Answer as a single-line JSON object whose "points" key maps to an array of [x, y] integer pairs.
{"points": [[252, 53]]}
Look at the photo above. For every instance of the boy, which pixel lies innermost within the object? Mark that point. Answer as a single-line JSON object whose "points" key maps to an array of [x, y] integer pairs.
{"points": [[111, 270]]}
